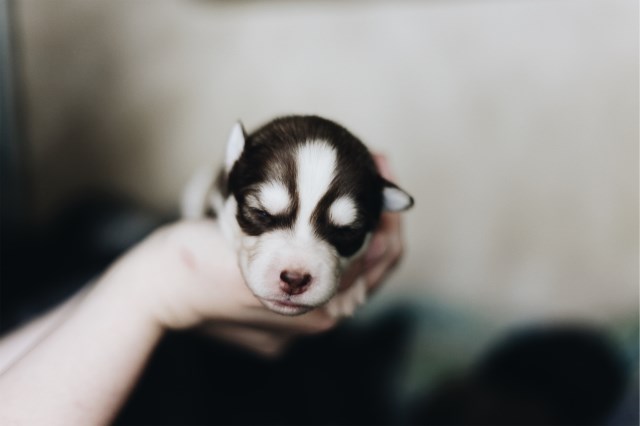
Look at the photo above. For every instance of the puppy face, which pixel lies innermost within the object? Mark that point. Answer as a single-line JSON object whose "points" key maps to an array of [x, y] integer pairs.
{"points": [[302, 196]]}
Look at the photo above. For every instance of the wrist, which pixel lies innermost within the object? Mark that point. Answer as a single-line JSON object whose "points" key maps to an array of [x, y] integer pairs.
{"points": [[182, 275], [128, 285], [110, 332]]}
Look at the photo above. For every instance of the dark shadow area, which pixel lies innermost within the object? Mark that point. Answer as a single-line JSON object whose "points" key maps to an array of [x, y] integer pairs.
{"points": [[342, 377], [543, 375], [546, 375], [42, 267]]}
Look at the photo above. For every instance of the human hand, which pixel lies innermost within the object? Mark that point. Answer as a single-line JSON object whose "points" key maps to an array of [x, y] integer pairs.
{"points": [[184, 275], [190, 279], [197, 283]]}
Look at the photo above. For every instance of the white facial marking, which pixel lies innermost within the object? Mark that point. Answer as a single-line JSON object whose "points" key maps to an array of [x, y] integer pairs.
{"points": [[263, 258], [274, 197], [343, 211], [316, 167]]}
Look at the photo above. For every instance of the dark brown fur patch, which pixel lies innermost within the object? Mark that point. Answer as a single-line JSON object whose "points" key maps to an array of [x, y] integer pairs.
{"points": [[269, 153]]}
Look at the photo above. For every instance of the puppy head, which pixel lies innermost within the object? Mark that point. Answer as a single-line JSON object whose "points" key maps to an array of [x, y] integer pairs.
{"points": [[302, 195]]}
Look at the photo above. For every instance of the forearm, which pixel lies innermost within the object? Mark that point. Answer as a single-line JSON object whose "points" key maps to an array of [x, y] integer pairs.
{"points": [[18, 342], [82, 371]]}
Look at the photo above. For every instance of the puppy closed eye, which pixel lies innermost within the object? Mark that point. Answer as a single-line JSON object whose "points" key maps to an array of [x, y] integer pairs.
{"points": [[260, 215], [255, 220], [349, 231], [348, 239]]}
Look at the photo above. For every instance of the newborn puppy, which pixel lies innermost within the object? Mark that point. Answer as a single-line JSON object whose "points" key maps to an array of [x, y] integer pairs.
{"points": [[298, 199]]}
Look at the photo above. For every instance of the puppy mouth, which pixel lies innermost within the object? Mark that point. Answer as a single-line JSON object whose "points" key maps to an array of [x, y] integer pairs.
{"points": [[286, 307]]}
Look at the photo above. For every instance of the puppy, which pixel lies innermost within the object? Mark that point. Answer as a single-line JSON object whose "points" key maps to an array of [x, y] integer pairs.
{"points": [[299, 199]]}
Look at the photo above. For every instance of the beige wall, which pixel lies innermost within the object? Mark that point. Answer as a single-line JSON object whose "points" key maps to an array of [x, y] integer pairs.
{"points": [[513, 123]]}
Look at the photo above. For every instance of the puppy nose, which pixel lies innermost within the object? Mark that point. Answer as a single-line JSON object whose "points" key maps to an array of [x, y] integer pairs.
{"points": [[294, 282]]}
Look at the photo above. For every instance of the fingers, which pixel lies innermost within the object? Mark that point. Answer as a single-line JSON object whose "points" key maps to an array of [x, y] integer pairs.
{"points": [[266, 343], [268, 333], [386, 247], [382, 163], [385, 252], [352, 273], [315, 321]]}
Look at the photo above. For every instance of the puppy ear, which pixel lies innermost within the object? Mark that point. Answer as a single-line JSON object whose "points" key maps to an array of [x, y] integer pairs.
{"points": [[235, 146], [395, 199]]}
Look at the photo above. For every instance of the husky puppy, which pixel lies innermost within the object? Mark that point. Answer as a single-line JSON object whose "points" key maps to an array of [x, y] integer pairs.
{"points": [[298, 199]]}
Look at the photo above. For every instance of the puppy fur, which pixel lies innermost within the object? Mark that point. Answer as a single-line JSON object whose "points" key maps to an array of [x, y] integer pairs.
{"points": [[299, 199]]}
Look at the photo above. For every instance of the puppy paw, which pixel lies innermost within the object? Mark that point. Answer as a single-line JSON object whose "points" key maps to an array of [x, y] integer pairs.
{"points": [[345, 304]]}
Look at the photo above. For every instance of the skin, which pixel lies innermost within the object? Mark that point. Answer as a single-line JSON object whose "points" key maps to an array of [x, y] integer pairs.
{"points": [[77, 364]]}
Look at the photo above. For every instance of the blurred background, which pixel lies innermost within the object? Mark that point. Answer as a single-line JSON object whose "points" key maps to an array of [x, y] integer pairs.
{"points": [[514, 124]]}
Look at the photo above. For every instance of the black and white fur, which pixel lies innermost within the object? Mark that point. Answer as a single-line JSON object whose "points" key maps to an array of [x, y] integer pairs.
{"points": [[299, 199]]}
